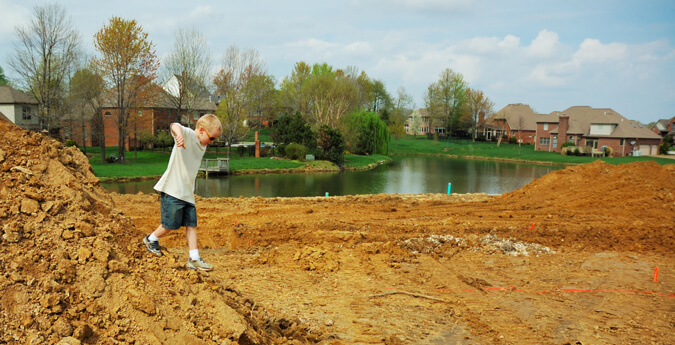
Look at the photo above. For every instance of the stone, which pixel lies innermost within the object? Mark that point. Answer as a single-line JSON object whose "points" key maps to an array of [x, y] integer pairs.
{"points": [[29, 205]]}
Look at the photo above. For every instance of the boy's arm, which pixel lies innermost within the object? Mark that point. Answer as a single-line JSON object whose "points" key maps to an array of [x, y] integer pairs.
{"points": [[177, 131]]}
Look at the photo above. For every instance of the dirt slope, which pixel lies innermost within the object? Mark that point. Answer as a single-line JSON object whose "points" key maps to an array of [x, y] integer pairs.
{"points": [[567, 259]]}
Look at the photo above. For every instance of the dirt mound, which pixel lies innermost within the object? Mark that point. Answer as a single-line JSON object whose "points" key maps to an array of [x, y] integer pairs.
{"points": [[598, 206], [73, 270]]}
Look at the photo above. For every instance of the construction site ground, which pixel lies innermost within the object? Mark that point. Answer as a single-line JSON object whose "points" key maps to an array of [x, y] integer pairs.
{"points": [[583, 255]]}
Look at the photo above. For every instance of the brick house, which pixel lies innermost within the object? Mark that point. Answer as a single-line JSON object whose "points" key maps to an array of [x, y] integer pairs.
{"points": [[664, 127], [594, 129], [514, 120], [19, 108], [151, 119]]}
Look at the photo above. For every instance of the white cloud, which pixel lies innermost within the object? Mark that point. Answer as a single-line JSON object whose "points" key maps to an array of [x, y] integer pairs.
{"points": [[545, 45], [358, 48], [593, 51]]}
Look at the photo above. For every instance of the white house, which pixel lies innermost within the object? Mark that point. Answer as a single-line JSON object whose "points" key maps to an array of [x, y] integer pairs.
{"points": [[19, 108]]}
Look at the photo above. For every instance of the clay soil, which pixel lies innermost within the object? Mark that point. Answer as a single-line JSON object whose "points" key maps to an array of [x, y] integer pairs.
{"points": [[570, 258]]}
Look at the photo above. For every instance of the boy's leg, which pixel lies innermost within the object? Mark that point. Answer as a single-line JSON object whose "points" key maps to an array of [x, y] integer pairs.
{"points": [[195, 261]]}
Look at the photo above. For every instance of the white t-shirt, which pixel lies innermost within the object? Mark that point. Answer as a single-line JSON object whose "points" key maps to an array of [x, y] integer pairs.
{"points": [[179, 178]]}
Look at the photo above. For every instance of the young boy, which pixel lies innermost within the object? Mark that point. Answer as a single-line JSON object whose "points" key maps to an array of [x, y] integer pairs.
{"points": [[177, 186]]}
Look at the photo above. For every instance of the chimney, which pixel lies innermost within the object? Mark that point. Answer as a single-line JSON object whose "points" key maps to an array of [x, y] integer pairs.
{"points": [[563, 126]]}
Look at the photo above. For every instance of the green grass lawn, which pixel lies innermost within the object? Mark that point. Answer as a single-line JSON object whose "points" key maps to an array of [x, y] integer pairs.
{"points": [[467, 149], [153, 163]]}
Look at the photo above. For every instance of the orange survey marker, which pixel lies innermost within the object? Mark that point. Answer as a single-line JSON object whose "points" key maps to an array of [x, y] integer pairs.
{"points": [[656, 274], [530, 229]]}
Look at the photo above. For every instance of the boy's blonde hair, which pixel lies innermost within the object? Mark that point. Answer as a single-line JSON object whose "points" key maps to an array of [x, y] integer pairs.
{"points": [[210, 122]]}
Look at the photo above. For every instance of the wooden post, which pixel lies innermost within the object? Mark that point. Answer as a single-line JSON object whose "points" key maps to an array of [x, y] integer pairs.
{"points": [[257, 145]]}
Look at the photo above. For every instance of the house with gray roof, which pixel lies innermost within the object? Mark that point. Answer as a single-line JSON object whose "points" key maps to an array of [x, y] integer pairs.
{"points": [[664, 127], [594, 129], [19, 108], [514, 120]]}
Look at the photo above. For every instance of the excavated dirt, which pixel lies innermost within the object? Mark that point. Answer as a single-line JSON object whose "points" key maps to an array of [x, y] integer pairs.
{"points": [[570, 258]]}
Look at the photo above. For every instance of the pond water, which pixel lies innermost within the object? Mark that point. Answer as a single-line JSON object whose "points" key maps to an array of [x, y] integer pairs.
{"points": [[403, 175]]}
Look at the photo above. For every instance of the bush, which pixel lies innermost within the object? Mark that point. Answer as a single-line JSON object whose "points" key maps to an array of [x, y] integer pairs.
{"points": [[70, 143], [240, 150], [250, 150], [513, 140], [577, 152], [296, 151]]}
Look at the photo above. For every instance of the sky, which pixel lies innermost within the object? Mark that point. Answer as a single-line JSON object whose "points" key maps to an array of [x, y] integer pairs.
{"points": [[550, 55]]}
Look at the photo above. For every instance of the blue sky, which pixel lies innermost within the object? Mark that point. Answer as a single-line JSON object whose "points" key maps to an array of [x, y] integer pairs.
{"points": [[548, 54]]}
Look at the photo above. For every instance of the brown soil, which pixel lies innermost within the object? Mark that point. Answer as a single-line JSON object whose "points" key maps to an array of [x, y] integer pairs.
{"points": [[568, 259]]}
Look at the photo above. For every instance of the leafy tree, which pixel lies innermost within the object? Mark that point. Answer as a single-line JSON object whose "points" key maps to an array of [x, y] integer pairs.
{"points": [[127, 62], [332, 95], [189, 64], [45, 56], [479, 107], [445, 100], [292, 97], [238, 69], [380, 100], [3, 79], [261, 92], [294, 129], [332, 144], [370, 133]]}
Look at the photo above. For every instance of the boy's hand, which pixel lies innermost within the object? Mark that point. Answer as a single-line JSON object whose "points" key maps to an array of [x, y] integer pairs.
{"points": [[178, 135], [180, 142]]}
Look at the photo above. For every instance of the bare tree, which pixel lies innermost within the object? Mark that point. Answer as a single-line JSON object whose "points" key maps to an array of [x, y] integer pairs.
{"points": [[45, 56], [186, 71], [401, 106], [238, 69], [480, 107]]}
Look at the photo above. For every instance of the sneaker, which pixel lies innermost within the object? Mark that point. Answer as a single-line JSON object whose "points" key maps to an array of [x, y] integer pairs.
{"points": [[199, 264], [152, 246]]}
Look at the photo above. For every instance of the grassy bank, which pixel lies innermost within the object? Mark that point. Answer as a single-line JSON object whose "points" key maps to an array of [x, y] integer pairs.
{"points": [[151, 164], [486, 150]]}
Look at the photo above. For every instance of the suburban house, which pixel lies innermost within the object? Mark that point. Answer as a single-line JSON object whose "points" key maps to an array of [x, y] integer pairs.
{"points": [[664, 127], [592, 130], [420, 122], [19, 108], [514, 120], [151, 119]]}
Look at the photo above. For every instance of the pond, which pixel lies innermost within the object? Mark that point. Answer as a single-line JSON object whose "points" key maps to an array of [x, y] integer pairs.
{"points": [[418, 174]]}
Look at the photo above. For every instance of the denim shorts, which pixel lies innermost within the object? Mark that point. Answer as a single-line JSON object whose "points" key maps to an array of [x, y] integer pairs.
{"points": [[177, 213]]}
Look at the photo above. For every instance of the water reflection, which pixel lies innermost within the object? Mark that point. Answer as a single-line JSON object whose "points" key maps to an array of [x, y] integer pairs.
{"points": [[404, 175]]}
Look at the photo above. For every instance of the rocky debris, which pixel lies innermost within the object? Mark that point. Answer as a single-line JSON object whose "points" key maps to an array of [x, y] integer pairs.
{"points": [[74, 270]]}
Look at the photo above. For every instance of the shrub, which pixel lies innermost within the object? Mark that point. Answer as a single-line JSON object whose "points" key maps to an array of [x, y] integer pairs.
{"points": [[607, 151], [513, 140], [577, 152], [296, 151], [250, 150], [70, 143], [240, 150]]}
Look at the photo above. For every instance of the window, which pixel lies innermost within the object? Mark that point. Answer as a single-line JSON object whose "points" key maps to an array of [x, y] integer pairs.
{"points": [[546, 126], [107, 113], [544, 141], [25, 113]]}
